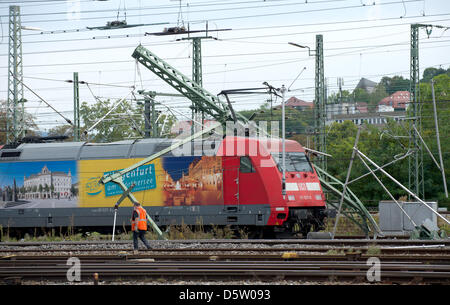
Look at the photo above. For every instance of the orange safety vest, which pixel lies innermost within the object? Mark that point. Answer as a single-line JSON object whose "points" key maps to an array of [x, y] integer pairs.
{"points": [[141, 220]]}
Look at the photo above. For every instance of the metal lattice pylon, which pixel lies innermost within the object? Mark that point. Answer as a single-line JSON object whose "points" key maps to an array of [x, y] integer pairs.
{"points": [[320, 115], [416, 182], [14, 106]]}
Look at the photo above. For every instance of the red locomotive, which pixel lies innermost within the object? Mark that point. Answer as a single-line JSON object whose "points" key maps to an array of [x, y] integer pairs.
{"points": [[238, 183]]}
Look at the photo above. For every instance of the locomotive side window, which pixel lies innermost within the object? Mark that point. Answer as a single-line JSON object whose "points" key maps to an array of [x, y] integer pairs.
{"points": [[246, 165], [295, 162]]}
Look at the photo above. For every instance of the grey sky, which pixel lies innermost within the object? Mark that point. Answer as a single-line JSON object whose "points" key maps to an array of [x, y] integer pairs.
{"points": [[360, 40]]}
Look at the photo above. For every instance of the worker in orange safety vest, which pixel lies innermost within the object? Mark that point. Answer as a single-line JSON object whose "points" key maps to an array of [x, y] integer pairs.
{"points": [[139, 226]]}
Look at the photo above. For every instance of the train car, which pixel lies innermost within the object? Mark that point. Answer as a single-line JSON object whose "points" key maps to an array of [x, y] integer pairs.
{"points": [[236, 182]]}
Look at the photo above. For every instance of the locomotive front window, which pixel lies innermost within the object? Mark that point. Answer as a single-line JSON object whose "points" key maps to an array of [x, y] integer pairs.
{"points": [[246, 165], [295, 162]]}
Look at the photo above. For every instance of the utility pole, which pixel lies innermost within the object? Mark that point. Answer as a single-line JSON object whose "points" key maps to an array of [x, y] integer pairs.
{"points": [[416, 176], [416, 159], [151, 125], [147, 116], [320, 113], [197, 72], [15, 104], [197, 76], [283, 153], [76, 108], [320, 110], [340, 83]]}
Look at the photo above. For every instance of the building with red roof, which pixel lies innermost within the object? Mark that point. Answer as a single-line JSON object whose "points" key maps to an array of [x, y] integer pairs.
{"points": [[298, 104], [397, 101]]}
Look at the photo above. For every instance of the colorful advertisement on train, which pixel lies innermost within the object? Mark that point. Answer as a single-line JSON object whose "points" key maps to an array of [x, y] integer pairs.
{"points": [[39, 184], [167, 181]]}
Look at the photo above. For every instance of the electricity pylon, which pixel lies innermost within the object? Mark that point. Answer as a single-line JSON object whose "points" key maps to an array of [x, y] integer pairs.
{"points": [[15, 104]]}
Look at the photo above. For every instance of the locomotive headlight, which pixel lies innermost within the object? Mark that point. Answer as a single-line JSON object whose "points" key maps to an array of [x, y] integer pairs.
{"points": [[291, 197], [318, 197]]}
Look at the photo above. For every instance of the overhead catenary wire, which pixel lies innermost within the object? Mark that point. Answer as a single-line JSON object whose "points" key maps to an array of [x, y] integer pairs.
{"points": [[206, 74], [290, 12]]}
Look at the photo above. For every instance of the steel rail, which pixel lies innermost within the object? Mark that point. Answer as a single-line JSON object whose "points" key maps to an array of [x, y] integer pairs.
{"points": [[309, 258], [224, 270], [413, 249], [350, 242]]}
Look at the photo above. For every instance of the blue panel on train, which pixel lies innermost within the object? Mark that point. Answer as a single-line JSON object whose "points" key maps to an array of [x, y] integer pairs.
{"points": [[143, 177]]}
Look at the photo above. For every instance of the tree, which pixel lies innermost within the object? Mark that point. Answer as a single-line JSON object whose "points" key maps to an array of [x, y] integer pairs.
{"points": [[361, 96], [74, 190], [297, 121], [336, 97], [62, 130], [430, 73], [433, 177], [29, 123], [340, 141], [395, 83], [125, 122], [376, 96]]}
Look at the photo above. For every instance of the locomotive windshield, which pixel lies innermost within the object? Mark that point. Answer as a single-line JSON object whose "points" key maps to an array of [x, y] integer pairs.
{"points": [[295, 162]]}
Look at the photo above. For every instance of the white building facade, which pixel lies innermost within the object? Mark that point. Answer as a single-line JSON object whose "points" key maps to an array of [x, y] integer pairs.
{"points": [[47, 184]]}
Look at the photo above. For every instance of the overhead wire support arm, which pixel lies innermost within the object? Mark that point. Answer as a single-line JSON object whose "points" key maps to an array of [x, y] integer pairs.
{"points": [[202, 99], [402, 186]]}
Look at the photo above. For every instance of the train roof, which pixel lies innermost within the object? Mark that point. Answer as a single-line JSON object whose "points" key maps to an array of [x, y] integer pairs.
{"points": [[248, 144], [140, 148]]}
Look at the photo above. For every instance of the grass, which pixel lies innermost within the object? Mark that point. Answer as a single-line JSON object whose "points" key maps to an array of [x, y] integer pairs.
{"points": [[345, 227], [444, 226], [175, 232], [373, 250], [335, 252]]}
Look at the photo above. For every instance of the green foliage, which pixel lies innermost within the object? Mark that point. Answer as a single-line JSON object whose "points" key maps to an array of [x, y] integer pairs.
{"points": [[62, 130], [297, 120], [395, 83], [361, 95], [430, 73], [376, 96], [31, 129], [433, 177], [345, 96], [126, 121], [379, 144]]}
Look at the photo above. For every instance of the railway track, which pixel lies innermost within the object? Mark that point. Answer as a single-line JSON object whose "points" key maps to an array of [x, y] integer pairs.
{"points": [[156, 268], [219, 260], [434, 250], [228, 246], [334, 242]]}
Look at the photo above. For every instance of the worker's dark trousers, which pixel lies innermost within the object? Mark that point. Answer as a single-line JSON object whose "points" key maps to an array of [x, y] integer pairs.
{"points": [[141, 235]]}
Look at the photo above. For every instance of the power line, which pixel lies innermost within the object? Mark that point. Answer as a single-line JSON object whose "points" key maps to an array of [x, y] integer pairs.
{"points": [[224, 55], [152, 8], [290, 12]]}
